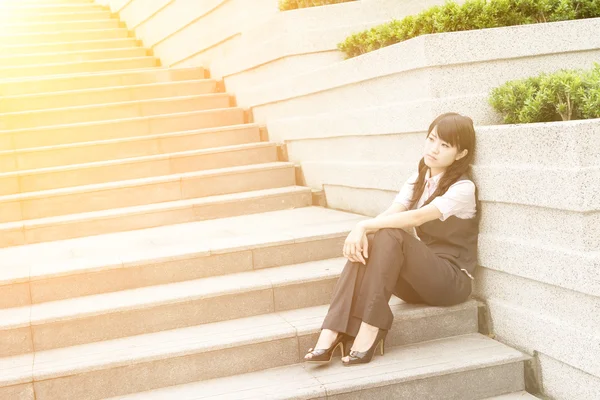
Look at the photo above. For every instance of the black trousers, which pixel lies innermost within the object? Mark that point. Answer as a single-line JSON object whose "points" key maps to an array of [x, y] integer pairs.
{"points": [[398, 264]]}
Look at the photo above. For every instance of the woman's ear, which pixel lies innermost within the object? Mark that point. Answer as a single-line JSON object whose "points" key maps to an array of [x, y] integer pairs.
{"points": [[462, 154]]}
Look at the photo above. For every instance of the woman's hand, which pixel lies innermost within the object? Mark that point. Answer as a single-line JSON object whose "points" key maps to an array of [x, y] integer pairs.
{"points": [[356, 243]]}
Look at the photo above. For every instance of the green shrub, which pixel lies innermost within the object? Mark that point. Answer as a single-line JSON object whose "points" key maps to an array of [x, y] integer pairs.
{"points": [[562, 96], [473, 14], [285, 5]]}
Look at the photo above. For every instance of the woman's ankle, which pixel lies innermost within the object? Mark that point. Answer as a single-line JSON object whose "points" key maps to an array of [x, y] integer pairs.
{"points": [[327, 337]]}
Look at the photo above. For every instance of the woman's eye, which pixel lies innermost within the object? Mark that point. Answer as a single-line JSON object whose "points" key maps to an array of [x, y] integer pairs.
{"points": [[446, 145]]}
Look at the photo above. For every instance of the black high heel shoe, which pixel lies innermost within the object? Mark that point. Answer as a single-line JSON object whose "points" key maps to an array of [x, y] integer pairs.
{"points": [[320, 356], [358, 357]]}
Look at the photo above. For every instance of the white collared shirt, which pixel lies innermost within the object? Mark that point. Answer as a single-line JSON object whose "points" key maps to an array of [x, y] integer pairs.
{"points": [[459, 199]]}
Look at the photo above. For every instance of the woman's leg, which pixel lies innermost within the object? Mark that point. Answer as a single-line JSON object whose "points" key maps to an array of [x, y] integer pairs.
{"points": [[399, 262], [403, 265], [339, 317]]}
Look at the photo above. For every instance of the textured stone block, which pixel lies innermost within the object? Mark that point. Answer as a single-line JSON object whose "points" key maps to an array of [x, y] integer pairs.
{"points": [[115, 197], [10, 210], [15, 341], [149, 319], [18, 392], [15, 295], [298, 252], [465, 385], [60, 230], [140, 274], [306, 294], [237, 180], [80, 133], [108, 172], [137, 377], [98, 151]]}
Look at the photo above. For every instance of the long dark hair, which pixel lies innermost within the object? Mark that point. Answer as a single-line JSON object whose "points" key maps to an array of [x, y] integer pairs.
{"points": [[458, 131]]}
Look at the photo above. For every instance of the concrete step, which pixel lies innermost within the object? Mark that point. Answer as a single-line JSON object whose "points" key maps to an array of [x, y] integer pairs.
{"points": [[53, 37], [79, 67], [144, 191], [99, 80], [136, 167], [44, 3], [117, 94], [55, 7], [64, 269], [51, 48], [119, 129], [404, 373], [153, 215], [482, 366], [59, 26], [114, 111], [73, 56], [514, 396], [126, 313], [49, 15], [105, 150]]}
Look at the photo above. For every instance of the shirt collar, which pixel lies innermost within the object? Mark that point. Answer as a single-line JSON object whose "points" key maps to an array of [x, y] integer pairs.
{"points": [[435, 179]]}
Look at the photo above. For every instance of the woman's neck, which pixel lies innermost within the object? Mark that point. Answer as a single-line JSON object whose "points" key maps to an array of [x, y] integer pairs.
{"points": [[436, 171]]}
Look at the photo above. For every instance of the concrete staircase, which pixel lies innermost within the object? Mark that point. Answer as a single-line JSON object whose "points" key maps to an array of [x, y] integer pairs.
{"points": [[149, 238]]}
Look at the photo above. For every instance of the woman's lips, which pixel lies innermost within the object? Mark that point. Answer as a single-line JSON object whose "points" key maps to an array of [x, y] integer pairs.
{"points": [[431, 157]]}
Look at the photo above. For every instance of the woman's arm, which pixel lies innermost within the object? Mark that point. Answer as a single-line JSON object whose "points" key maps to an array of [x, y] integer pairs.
{"points": [[393, 209], [357, 241], [403, 220]]}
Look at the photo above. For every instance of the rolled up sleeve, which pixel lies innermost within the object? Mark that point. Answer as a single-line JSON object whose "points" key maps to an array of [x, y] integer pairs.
{"points": [[459, 200], [406, 192]]}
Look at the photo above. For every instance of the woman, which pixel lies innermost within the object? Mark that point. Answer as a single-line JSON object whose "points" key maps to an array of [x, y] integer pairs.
{"points": [[436, 268]]}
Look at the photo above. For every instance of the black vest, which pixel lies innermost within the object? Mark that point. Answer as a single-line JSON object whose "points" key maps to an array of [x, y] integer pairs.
{"points": [[454, 239]]}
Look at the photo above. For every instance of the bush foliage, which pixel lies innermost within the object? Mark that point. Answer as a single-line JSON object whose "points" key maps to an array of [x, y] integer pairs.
{"points": [[473, 14], [285, 5], [562, 96]]}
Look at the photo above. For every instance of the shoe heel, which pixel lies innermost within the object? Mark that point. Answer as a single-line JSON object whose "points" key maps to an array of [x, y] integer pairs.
{"points": [[325, 355], [382, 346]]}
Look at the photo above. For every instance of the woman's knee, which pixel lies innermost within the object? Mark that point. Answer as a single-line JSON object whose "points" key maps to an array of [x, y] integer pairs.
{"points": [[393, 236]]}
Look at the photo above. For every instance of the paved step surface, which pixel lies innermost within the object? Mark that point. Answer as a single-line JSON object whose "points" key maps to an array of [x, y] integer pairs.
{"points": [[138, 191], [514, 396], [101, 80], [108, 316], [153, 215], [169, 254], [79, 67], [445, 368], [138, 167], [60, 26], [56, 15], [99, 112], [122, 366], [73, 36], [52, 135], [111, 149], [106, 95], [72, 56], [58, 47]]}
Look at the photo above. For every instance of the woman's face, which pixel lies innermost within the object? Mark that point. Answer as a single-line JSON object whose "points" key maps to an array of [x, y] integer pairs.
{"points": [[439, 154]]}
